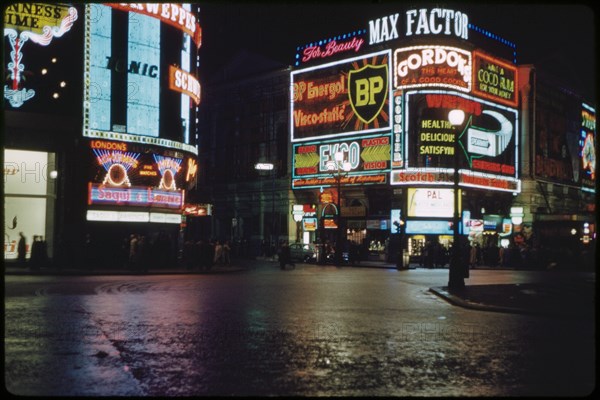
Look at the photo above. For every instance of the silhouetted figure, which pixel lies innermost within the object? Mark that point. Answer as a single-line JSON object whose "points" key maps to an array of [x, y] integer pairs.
{"points": [[285, 256], [21, 249]]}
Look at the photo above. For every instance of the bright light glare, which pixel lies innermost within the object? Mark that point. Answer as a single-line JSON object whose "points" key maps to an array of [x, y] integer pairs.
{"points": [[456, 117], [263, 166]]}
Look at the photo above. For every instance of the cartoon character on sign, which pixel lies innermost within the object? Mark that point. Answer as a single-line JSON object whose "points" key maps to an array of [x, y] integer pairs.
{"points": [[47, 26], [588, 155], [117, 164], [168, 168]]}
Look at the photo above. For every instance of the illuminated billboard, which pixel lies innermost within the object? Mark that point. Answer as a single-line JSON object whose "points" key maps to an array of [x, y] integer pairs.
{"points": [[426, 66], [26, 192], [430, 202], [341, 98], [494, 79], [38, 24], [484, 147], [129, 92], [564, 137], [368, 158], [125, 174], [587, 142]]}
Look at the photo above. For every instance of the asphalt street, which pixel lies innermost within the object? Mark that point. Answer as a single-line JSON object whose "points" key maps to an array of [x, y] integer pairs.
{"points": [[309, 331]]}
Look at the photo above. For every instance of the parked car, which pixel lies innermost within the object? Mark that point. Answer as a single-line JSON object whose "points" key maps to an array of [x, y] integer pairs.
{"points": [[303, 252]]}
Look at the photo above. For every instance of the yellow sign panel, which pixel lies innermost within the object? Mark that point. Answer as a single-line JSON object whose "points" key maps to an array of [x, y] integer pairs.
{"points": [[33, 17]]}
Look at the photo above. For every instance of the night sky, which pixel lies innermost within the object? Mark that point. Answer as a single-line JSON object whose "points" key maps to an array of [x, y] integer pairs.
{"points": [[557, 38]]}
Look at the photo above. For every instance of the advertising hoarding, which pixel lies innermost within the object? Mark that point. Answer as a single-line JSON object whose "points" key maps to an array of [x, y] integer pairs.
{"points": [[494, 79], [26, 191], [125, 174], [562, 126], [129, 94], [341, 98], [27, 26], [426, 66], [486, 144], [368, 158]]}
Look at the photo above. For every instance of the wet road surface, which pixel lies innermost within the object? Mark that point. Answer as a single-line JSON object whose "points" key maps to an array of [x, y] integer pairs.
{"points": [[312, 331]]}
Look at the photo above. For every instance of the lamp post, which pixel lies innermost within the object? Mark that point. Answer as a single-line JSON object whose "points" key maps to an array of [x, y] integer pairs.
{"points": [[456, 276], [269, 167], [339, 169]]}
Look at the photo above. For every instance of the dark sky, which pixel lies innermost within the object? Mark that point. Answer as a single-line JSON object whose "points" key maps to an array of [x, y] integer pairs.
{"points": [[559, 38]]}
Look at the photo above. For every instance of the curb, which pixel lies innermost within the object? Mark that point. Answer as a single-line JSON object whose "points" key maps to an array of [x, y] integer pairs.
{"points": [[443, 293]]}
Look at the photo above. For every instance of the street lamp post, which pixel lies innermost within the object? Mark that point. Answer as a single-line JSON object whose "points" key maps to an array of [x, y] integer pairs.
{"points": [[339, 169], [456, 276], [269, 167]]}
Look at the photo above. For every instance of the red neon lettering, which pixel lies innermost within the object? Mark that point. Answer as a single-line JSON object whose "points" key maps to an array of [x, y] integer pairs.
{"points": [[307, 149], [375, 142], [100, 144], [306, 170], [375, 165], [332, 48], [446, 101]]}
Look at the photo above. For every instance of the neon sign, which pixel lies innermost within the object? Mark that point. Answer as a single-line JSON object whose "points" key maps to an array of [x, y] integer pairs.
{"points": [[430, 202], [332, 48], [437, 21], [117, 164], [169, 13], [136, 196], [185, 83], [366, 155], [39, 23], [125, 165], [486, 144], [168, 168], [494, 79], [588, 148], [341, 98], [424, 66]]}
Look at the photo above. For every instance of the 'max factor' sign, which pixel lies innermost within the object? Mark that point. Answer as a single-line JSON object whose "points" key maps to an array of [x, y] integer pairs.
{"points": [[436, 21]]}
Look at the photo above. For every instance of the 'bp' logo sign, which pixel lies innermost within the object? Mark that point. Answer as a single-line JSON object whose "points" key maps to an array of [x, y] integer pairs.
{"points": [[367, 90]]}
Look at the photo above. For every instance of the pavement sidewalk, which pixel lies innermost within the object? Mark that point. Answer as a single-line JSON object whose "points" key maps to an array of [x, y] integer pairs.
{"points": [[569, 294]]}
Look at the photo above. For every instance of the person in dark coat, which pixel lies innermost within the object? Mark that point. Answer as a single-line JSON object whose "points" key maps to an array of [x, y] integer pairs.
{"points": [[285, 256], [21, 249]]}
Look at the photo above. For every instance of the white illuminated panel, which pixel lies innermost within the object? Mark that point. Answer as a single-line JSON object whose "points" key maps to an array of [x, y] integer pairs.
{"points": [[117, 216], [143, 79], [427, 66], [26, 172], [98, 90], [429, 202], [165, 218]]}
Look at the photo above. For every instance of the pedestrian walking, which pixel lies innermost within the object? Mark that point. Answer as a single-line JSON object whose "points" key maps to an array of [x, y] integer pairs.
{"points": [[226, 253], [21, 249], [133, 251], [285, 256], [218, 257]]}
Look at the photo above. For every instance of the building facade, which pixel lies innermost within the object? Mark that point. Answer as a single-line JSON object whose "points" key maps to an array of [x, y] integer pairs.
{"points": [[100, 113], [374, 163]]}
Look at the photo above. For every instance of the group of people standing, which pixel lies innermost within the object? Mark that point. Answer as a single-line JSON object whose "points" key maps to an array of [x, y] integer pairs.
{"points": [[39, 251], [141, 253], [204, 254]]}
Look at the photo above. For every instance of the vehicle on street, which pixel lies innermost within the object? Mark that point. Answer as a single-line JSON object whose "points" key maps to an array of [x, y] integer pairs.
{"points": [[303, 252]]}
